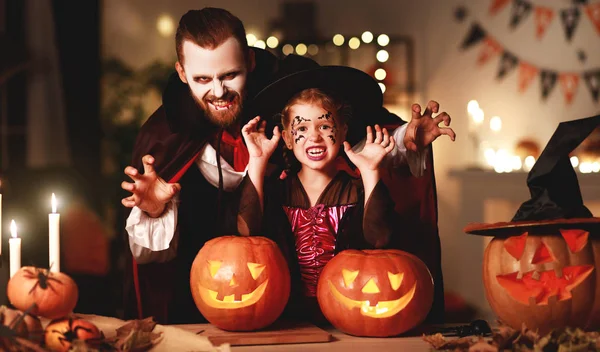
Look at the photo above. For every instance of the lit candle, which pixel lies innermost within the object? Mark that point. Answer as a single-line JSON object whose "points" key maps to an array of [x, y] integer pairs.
{"points": [[14, 244], [54, 237]]}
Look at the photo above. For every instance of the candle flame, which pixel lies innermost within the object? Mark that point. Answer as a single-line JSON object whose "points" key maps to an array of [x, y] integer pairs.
{"points": [[53, 203], [13, 229]]}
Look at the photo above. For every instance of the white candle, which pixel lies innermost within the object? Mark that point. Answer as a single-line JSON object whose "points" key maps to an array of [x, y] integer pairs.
{"points": [[54, 237], [14, 244]]}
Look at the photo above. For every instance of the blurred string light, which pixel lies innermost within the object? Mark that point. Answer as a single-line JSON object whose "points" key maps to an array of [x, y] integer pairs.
{"points": [[313, 49], [354, 43], [272, 42], [287, 49], [529, 162], [165, 25], [382, 86], [382, 56], [251, 39], [496, 124], [260, 44], [301, 49], [380, 74], [367, 37], [574, 161], [472, 106], [338, 39], [383, 40]]}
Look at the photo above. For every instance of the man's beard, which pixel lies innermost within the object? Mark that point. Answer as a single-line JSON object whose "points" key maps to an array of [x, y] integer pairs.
{"points": [[224, 117]]}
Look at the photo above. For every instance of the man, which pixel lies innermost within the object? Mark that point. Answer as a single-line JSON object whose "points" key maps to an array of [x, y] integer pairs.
{"points": [[193, 158]]}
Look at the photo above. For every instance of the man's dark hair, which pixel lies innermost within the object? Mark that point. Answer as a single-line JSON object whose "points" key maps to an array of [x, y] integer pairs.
{"points": [[209, 28]]}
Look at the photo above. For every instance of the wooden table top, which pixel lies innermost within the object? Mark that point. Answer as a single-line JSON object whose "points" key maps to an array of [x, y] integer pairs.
{"points": [[338, 341]]}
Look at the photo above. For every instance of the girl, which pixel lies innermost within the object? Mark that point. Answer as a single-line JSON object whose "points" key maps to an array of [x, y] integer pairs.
{"points": [[320, 208]]}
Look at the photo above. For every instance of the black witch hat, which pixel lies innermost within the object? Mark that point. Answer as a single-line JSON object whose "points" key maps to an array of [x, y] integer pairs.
{"points": [[553, 185]]}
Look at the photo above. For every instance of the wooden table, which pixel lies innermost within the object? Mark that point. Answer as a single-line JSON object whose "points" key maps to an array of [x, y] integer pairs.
{"points": [[339, 342]]}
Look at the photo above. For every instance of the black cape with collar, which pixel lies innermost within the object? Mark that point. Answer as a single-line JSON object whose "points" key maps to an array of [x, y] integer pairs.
{"points": [[174, 135]]}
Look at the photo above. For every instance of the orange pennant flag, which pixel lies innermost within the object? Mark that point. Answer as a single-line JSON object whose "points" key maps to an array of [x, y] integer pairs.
{"points": [[543, 17], [526, 74], [490, 48], [593, 12], [568, 83], [497, 5]]}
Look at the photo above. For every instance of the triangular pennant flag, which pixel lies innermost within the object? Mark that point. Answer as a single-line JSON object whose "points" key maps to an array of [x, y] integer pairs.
{"points": [[497, 5], [593, 12], [507, 64], [592, 80], [570, 20], [490, 48], [476, 34], [520, 10], [568, 83], [548, 80], [543, 17], [526, 74]]}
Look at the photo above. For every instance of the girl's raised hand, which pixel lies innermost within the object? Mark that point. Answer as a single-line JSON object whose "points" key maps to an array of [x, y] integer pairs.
{"points": [[259, 146], [375, 149]]}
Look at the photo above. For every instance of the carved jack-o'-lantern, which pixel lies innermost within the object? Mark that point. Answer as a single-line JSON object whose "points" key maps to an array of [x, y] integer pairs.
{"points": [[375, 292], [545, 277], [240, 283]]}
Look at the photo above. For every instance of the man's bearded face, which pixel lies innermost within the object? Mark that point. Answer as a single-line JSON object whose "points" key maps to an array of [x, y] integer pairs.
{"points": [[217, 79]]}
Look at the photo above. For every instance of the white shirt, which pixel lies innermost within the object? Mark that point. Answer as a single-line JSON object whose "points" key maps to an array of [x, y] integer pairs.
{"points": [[153, 240]]}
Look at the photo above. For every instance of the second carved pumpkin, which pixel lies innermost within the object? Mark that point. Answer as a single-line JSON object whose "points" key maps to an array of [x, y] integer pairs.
{"points": [[375, 292]]}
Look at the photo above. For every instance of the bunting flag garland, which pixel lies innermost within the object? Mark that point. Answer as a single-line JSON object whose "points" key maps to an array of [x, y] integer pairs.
{"points": [[543, 17], [490, 48], [476, 34], [547, 80], [592, 80], [570, 16], [593, 12], [507, 64], [569, 81], [520, 10], [570, 19], [527, 73], [497, 5]]}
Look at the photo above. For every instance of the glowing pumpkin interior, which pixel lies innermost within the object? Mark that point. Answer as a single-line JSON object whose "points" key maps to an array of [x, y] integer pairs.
{"points": [[236, 289], [540, 285], [373, 308]]}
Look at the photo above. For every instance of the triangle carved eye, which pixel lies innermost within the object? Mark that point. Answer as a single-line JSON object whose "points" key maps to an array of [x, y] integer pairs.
{"points": [[214, 266], [349, 277], [255, 269], [576, 239]]}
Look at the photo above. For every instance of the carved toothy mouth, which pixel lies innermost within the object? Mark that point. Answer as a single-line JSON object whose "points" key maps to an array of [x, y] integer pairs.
{"points": [[539, 286], [383, 309], [229, 302]]}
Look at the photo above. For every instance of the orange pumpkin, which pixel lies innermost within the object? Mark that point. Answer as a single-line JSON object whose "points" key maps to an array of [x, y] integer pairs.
{"points": [[24, 325], [240, 283], [60, 333], [54, 294], [545, 277], [375, 292]]}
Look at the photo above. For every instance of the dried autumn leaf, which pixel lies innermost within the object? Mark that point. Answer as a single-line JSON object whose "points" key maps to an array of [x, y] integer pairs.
{"points": [[439, 342], [483, 346], [137, 341]]}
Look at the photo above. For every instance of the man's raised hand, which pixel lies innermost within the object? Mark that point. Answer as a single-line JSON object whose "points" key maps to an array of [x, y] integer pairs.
{"points": [[150, 193]]}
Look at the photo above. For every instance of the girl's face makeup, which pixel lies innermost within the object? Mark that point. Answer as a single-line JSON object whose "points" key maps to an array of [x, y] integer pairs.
{"points": [[314, 136]]}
